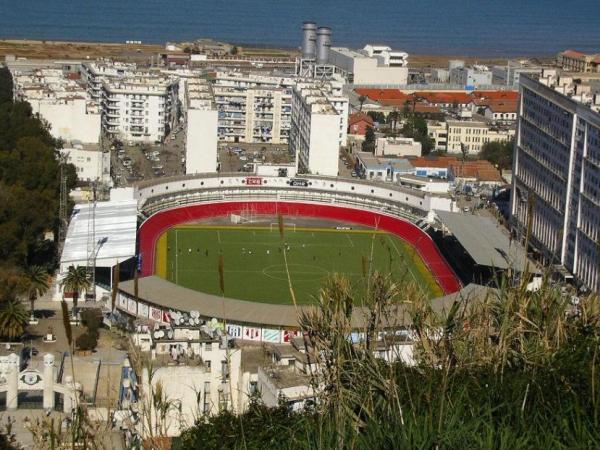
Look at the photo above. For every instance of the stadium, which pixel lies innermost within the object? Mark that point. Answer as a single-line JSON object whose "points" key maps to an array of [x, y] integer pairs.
{"points": [[219, 248]]}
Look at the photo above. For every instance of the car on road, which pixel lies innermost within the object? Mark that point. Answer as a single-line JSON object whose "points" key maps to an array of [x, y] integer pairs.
{"points": [[466, 209], [354, 174]]}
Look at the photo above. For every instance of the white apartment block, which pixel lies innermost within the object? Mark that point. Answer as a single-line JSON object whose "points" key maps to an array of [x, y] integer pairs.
{"points": [[90, 162], [473, 134], [318, 129], [93, 73], [361, 69], [438, 131], [61, 102], [140, 108], [253, 108], [201, 122], [556, 178]]}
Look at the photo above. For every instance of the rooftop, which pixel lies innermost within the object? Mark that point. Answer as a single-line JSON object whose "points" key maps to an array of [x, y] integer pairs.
{"points": [[115, 227], [487, 245]]}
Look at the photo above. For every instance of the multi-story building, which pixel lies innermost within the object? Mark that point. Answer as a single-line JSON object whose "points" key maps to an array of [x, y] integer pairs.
{"points": [[201, 122], [93, 73], [438, 132], [475, 76], [509, 74], [379, 68], [253, 107], [91, 163], [140, 108], [62, 102], [318, 129], [473, 134], [556, 178], [575, 61]]}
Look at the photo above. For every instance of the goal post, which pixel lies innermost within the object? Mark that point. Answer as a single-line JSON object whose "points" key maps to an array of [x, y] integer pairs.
{"points": [[274, 226]]}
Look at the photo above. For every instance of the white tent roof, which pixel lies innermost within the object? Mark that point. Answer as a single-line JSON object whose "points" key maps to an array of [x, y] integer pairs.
{"points": [[116, 223]]}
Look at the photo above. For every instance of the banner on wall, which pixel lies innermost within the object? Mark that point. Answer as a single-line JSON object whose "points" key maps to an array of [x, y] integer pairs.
{"points": [[132, 306], [235, 331], [155, 314], [122, 302], [166, 317], [143, 310], [251, 333], [271, 335], [288, 335]]}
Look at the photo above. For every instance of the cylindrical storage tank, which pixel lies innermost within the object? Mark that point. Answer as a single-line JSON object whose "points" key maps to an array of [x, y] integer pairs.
{"points": [[455, 64], [309, 40], [323, 44]]}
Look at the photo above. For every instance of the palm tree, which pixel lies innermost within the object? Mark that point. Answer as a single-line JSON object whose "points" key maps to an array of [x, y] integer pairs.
{"points": [[36, 285], [362, 99], [13, 318], [75, 281]]}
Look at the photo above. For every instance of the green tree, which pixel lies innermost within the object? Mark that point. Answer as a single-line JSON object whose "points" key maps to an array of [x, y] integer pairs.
{"points": [[36, 279], [368, 144], [13, 318], [499, 153], [377, 116], [75, 281]]}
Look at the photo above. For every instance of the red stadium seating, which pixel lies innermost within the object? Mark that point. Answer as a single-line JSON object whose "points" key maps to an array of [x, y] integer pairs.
{"points": [[158, 223]]}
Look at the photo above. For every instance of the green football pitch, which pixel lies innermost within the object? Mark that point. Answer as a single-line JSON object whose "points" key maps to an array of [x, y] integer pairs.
{"points": [[254, 267]]}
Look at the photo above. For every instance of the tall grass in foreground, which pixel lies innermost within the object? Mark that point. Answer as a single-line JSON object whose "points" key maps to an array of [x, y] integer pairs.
{"points": [[513, 370]]}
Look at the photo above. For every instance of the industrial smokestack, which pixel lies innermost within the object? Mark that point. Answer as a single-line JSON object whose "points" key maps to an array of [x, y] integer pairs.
{"points": [[323, 44], [309, 40]]}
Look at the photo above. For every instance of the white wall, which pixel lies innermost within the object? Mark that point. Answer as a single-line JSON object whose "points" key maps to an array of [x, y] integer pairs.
{"points": [[91, 165], [324, 149], [69, 120], [201, 141]]}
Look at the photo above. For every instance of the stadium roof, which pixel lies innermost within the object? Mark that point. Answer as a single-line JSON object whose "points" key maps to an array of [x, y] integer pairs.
{"points": [[163, 293], [485, 242], [116, 225]]}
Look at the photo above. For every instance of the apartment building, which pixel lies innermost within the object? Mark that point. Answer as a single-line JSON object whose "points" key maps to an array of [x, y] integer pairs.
{"points": [[318, 128], [91, 163], [556, 178], [93, 73], [201, 122], [508, 75], [438, 132], [253, 107], [60, 101], [473, 134], [140, 108]]}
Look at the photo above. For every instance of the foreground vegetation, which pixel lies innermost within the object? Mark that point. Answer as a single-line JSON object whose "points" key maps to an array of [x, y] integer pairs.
{"points": [[29, 196], [512, 370]]}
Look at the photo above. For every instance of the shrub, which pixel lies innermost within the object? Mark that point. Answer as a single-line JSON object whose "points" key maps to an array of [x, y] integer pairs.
{"points": [[87, 341]]}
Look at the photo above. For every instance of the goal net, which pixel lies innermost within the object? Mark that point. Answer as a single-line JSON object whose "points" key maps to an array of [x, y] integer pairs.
{"points": [[247, 215], [274, 226]]}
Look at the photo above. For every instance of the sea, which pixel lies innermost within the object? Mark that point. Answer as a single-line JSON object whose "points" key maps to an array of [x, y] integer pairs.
{"points": [[491, 28]]}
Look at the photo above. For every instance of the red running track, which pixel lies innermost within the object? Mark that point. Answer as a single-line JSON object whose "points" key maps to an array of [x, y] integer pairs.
{"points": [[158, 223]]}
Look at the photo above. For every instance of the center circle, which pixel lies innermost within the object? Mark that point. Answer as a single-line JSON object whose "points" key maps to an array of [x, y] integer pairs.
{"points": [[298, 272]]}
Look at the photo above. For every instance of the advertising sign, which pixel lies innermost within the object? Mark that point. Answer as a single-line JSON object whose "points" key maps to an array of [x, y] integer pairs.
{"points": [[271, 335], [251, 333], [253, 181]]}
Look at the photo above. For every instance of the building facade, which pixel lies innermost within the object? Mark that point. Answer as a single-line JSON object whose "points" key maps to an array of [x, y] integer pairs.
{"points": [[556, 179], [201, 122], [140, 108], [473, 135], [318, 128]]}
